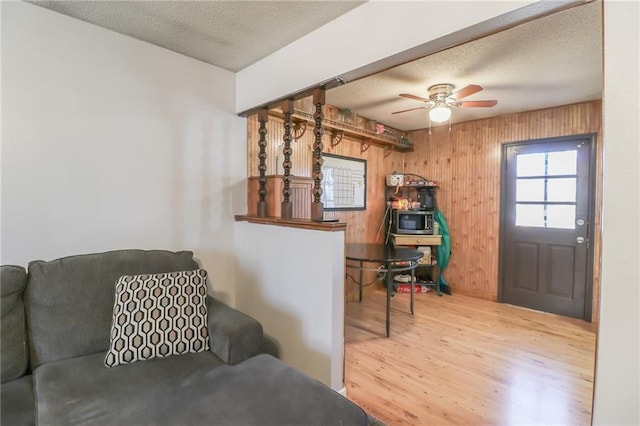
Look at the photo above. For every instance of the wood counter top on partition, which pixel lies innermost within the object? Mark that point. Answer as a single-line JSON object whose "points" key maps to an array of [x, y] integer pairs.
{"points": [[293, 223]]}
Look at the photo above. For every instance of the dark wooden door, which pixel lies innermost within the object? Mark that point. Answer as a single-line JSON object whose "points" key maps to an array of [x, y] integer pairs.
{"points": [[545, 226]]}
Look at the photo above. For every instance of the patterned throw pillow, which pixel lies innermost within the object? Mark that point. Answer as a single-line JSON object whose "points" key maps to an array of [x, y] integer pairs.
{"points": [[158, 315]]}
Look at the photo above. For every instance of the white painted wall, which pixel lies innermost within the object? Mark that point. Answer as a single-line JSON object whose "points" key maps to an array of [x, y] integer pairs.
{"points": [[292, 281], [617, 380], [109, 142]]}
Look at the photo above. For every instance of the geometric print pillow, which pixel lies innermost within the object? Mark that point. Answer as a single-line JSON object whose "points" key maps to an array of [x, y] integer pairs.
{"points": [[158, 315]]}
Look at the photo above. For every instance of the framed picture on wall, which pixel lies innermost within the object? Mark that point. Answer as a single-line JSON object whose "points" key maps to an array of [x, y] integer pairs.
{"points": [[344, 183]]}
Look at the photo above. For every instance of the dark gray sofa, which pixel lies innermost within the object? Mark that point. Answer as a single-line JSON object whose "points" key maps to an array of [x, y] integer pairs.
{"points": [[56, 321]]}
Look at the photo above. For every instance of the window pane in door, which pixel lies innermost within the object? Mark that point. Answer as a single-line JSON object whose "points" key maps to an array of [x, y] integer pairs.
{"points": [[530, 164], [530, 215], [561, 217], [530, 190], [561, 189], [562, 163]]}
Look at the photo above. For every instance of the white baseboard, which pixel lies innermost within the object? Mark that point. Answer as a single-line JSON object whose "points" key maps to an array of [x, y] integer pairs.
{"points": [[343, 391]]}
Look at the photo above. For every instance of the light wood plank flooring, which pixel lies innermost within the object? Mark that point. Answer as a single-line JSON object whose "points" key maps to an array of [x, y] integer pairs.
{"points": [[461, 360]]}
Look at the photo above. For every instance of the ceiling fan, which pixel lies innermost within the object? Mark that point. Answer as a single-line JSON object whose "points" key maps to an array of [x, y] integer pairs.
{"points": [[442, 99]]}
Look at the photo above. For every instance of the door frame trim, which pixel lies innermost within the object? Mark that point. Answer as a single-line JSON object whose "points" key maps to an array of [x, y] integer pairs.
{"points": [[591, 139]]}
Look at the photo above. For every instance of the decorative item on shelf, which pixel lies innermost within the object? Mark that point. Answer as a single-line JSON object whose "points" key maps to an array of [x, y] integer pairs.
{"points": [[400, 204], [379, 128], [417, 181], [346, 116], [394, 204], [395, 179], [404, 140], [355, 118], [370, 125]]}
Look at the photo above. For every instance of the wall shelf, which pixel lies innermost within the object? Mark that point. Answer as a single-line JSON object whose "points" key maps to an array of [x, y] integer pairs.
{"points": [[337, 130]]}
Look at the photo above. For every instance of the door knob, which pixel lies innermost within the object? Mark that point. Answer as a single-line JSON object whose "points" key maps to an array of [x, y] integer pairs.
{"points": [[580, 240]]}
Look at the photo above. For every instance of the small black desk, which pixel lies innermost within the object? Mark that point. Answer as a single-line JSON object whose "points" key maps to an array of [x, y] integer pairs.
{"points": [[389, 257]]}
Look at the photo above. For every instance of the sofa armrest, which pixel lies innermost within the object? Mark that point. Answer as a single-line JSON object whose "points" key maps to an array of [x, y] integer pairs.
{"points": [[234, 336]]}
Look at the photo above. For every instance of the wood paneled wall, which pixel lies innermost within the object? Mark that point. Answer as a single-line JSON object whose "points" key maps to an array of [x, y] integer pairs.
{"points": [[466, 164], [362, 226]]}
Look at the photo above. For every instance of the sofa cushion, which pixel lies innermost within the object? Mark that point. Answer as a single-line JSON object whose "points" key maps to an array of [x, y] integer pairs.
{"points": [[13, 348], [17, 406], [83, 391], [264, 391], [69, 301], [158, 315], [190, 389]]}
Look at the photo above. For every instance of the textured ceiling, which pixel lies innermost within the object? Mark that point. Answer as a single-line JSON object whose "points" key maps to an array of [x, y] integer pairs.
{"points": [[228, 34], [556, 60]]}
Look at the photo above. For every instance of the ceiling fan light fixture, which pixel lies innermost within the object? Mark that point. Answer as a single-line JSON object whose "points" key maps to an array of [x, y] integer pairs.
{"points": [[440, 113]]}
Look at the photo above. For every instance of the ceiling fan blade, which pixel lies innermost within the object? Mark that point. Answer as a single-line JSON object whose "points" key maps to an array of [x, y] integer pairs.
{"points": [[477, 104], [466, 91], [407, 110], [414, 97]]}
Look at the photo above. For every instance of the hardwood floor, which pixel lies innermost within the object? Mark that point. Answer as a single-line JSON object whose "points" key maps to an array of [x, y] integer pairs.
{"points": [[461, 360]]}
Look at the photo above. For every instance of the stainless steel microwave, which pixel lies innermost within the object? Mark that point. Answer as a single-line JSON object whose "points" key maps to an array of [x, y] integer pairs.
{"points": [[412, 222]]}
